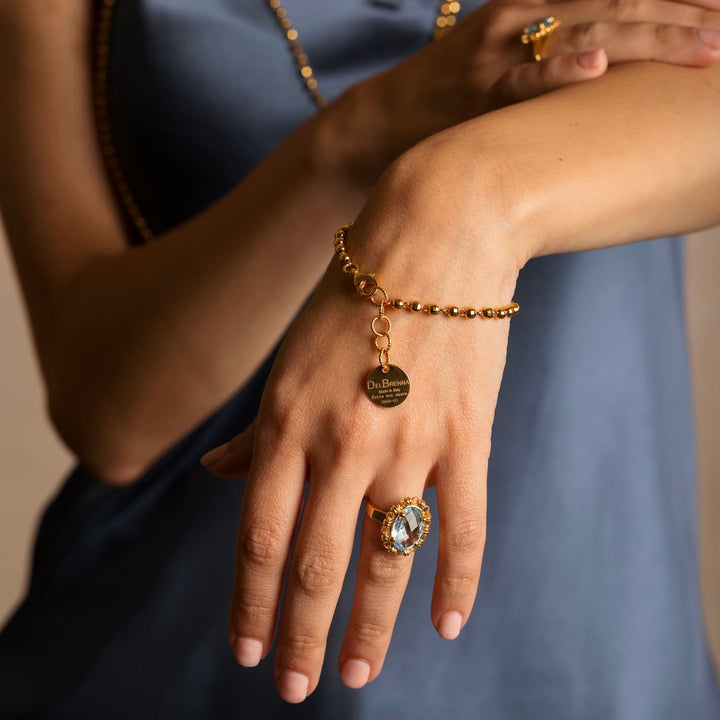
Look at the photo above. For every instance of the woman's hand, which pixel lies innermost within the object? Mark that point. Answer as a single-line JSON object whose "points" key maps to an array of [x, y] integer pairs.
{"points": [[481, 65], [316, 424]]}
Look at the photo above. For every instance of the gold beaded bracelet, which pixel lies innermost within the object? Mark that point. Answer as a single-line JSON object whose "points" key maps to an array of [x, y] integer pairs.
{"points": [[388, 385]]}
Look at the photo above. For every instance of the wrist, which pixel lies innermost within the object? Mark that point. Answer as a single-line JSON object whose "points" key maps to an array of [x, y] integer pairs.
{"points": [[433, 232]]}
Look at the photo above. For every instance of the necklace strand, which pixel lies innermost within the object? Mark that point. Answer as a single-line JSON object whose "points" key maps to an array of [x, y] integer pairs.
{"points": [[447, 17], [445, 20]]}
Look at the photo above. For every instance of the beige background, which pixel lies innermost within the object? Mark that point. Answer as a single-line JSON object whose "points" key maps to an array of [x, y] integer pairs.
{"points": [[32, 461]]}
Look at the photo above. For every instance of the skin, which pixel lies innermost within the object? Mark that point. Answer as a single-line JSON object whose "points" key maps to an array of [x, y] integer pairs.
{"points": [[489, 204], [112, 379]]}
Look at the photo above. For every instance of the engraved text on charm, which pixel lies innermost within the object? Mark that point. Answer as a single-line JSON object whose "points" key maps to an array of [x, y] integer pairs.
{"points": [[387, 389]]}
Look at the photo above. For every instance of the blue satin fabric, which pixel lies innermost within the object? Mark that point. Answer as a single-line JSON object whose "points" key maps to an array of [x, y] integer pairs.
{"points": [[588, 604]]}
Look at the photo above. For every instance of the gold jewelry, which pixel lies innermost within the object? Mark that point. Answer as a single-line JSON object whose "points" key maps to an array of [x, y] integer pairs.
{"points": [[537, 32], [443, 22], [388, 385], [404, 526]]}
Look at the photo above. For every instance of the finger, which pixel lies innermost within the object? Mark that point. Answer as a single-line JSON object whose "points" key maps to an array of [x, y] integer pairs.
{"points": [[381, 581], [529, 80], [462, 504], [626, 42], [270, 509], [320, 559], [232, 460], [666, 12]]}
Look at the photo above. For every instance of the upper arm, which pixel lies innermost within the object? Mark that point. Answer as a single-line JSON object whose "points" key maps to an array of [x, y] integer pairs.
{"points": [[56, 201]]}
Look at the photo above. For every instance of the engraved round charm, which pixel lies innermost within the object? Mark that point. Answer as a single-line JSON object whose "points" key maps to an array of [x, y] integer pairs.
{"points": [[387, 389]]}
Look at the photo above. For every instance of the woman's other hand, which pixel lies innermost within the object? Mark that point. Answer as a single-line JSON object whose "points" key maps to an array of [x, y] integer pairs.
{"points": [[316, 424], [481, 65]]}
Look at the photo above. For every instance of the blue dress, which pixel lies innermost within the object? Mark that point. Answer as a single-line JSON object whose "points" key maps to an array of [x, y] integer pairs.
{"points": [[588, 604]]}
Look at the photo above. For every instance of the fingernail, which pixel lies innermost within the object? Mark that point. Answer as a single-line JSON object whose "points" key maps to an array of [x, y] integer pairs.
{"points": [[711, 38], [449, 625], [247, 651], [590, 60], [292, 686], [210, 458], [355, 673]]}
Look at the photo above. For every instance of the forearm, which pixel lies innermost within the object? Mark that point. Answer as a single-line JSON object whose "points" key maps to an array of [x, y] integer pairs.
{"points": [[631, 156], [147, 343]]}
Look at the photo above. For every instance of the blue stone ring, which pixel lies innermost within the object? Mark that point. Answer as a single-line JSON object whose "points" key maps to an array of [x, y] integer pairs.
{"points": [[404, 526], [537, 32]]}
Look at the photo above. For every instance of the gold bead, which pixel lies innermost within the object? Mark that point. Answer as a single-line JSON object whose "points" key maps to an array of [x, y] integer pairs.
{"points": [[501, 312], [453, 311], [416, 306], [291, 34], [488, 312], [343, 256], [340, 249], [470, 312], [306, 71], [434, 309], [398, 304]]}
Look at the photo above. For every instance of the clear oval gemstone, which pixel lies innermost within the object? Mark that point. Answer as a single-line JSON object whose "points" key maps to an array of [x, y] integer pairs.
{"points": [[407, 528]]}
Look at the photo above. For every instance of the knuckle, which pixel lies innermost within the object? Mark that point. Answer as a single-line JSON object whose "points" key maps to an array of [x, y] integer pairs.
{"points": [[458, 584], [467, 533], [703, 18], [501, 19], [350, 435], [664, 34], [261, 545], [380, 570], [474, 446], [586, 35], [253, 614], [315, 572], [624, 10], [298, 644], [367, 632]]}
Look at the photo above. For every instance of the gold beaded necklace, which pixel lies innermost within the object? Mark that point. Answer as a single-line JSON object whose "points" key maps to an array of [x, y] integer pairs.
{"points": [[103, 23], [443, 22]]}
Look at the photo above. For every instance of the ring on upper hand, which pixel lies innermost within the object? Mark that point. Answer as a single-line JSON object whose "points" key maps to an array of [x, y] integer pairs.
{"points": [[536, 33], [404, 526]]}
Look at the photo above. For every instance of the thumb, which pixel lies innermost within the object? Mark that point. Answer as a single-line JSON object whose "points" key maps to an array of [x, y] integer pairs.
{"points": [[531, 79], [231, 460]]}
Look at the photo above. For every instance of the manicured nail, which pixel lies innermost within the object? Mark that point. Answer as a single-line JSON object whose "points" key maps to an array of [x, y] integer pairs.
{"points": [[247, 651], [449, 625], [590, 60], [355, 673], [711, 38], [292, 686], [212, 457]]}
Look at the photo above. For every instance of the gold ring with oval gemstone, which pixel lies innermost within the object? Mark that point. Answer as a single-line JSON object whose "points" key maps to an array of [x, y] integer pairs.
{"points": [[404, 526], [536, 33]]}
